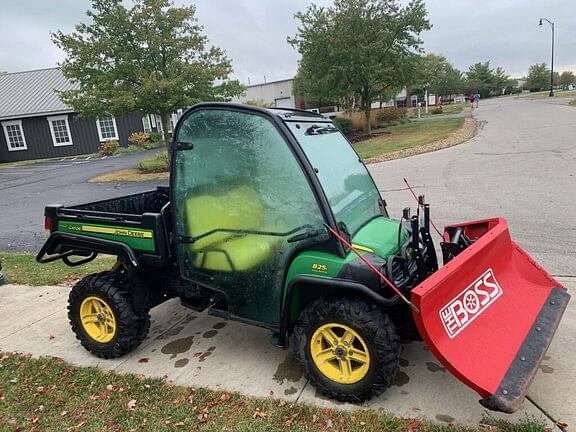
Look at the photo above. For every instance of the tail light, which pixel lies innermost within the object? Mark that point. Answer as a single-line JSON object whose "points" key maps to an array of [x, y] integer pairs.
{"points": [[48, 224]]}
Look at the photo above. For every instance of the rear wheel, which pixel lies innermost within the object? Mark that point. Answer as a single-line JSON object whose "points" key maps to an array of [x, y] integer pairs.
{"points": [[348, 349], [103, 318]]}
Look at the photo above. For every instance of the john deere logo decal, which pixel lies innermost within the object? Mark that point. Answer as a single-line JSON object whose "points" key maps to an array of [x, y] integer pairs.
{"points": [[470, 303]]}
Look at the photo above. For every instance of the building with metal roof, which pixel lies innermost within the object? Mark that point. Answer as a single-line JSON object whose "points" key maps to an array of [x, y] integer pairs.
{"points": [[36, 124]]}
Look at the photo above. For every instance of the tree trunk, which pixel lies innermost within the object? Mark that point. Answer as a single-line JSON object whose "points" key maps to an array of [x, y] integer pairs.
{"points": [[165, 119], [367, 114]]}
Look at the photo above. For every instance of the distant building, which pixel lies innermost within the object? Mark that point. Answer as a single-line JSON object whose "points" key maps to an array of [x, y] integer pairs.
{"points": [[37, 124], [279, 94]]}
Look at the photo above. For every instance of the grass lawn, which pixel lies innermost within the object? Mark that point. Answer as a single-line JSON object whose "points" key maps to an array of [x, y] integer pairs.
{"points": [[129, 175], [408, 135], [22, 268], [49, 394], [557, 93]]}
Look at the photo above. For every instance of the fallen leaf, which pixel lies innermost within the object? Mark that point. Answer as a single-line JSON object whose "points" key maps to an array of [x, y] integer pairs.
{"points": [[203, 417], [362, 423], [281, 403], [288, 423], [259, 414], [413, 426], [13, 380], [109, 387], [143, 360], [328, 423], [51, 337], [314, 418], [146, 386], [64, 413], [179, 424], [132, 404], [225, 397]]}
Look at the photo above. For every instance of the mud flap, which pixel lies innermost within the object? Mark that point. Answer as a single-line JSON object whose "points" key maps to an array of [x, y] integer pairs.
{"points": [[489, 314]]}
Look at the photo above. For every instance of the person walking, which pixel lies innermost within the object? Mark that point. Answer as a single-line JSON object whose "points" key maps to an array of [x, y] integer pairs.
{"points": [[477, 98], [471, 98]]}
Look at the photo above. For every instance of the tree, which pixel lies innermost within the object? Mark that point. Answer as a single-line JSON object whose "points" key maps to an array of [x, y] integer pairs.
{"points": [[439, 76], [538, 77], [359, 49], [152, 58], [567, 78]]}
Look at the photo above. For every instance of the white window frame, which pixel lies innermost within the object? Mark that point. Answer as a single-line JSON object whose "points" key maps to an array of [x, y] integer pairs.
{"points": [[65, 118], [146, 124], [8, 143], [102, 139]]}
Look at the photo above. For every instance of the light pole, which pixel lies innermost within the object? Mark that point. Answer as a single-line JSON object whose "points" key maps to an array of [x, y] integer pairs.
{"points": [[552, 62]]}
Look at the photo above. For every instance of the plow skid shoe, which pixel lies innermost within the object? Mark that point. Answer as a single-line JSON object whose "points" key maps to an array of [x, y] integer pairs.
{"points": [[489, 314]]}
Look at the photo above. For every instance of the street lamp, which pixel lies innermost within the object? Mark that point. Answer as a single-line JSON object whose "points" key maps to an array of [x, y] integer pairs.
{"points": [[552, 62]]}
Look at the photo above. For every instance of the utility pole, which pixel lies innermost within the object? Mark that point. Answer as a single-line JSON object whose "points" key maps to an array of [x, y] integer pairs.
{"points": [[551, 94]]}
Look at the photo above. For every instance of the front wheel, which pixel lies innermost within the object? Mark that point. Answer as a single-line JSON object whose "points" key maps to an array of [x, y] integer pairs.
{"points": [[102, 316], [349, 350]]}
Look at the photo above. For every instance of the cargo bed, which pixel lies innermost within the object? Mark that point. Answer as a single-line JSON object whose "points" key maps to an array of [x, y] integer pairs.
{"points": [[134, 226]]}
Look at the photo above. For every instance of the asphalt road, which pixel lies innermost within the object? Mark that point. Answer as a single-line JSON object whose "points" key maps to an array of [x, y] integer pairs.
{"points": [[26, 190], [521, 165]]}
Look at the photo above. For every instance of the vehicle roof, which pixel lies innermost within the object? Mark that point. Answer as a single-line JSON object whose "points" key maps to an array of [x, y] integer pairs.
{"points": [[285, 114]]}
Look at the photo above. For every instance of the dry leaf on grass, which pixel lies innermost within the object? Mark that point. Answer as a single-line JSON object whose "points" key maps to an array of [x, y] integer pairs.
{"points": [[132, 404]]}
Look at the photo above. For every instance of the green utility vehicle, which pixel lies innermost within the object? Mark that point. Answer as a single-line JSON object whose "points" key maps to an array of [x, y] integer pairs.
{"points": [[270, 219]]}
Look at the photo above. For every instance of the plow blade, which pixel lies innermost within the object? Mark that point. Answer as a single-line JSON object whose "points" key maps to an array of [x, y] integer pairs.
{"points": [[489, 314]]}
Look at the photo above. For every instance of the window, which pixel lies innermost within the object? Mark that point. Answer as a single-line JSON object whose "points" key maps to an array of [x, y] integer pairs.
{"points": [[107, 128], [60, 130], [14, 135], [146, 123]]}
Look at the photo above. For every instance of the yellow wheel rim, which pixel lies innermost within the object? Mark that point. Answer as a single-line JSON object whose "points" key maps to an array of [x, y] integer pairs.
{"points": [[339, 353], [98, 319]]}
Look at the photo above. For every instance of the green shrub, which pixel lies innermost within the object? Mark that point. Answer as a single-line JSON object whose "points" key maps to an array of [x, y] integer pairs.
{"points": [[139, 139], [572, 102], [436, 110], [109, 147], [343, 124], [388, 115], [156, 164], [155, 137]]}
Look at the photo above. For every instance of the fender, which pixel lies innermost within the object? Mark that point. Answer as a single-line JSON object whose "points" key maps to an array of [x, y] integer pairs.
{"points": [[339, 285], [63, 245]]}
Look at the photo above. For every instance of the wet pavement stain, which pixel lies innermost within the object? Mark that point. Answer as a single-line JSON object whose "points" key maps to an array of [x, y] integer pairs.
{"points": [[404, 392], [546, 357], [206, 354], [220, 325], [210, 334], [290, 391], [188, 319], [288, 370], [546, 369], [404, 362], [175, 331], [178, 346], [433, 367], [400, 379], [444, 418], [181, 363]]}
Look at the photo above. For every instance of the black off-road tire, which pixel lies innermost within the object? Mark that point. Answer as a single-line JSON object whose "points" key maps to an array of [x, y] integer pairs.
{"points": [[131, 328], [373, 325]]}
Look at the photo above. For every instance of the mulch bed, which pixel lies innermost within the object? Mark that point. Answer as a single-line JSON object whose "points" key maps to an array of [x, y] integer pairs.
{"points": [[355, 137]]}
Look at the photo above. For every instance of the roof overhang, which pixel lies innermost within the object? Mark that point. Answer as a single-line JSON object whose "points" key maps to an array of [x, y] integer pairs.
{"points": [[39, 114]]}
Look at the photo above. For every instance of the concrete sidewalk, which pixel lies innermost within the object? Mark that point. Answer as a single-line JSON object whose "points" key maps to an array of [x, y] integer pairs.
{"points": [[202, 351]]}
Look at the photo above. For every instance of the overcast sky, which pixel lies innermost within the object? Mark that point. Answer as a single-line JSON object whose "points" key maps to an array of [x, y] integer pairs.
{"points": [[253, 33]]}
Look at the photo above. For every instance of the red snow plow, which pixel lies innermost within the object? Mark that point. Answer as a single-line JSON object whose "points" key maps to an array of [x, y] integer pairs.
{"points": [[489, 314]]}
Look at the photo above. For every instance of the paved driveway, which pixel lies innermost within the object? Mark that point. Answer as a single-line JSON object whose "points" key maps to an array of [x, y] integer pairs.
{"points": [[26, 190]]}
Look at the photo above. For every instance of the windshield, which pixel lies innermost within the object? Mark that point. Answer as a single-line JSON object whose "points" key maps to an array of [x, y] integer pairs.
{"points": [[349, 188]]}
